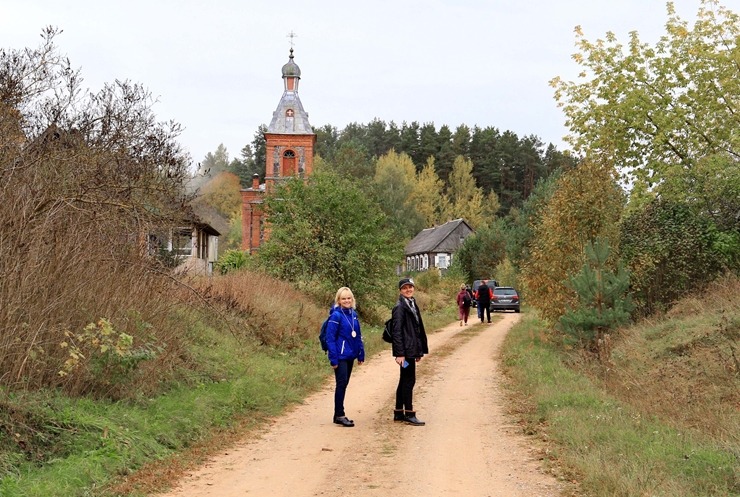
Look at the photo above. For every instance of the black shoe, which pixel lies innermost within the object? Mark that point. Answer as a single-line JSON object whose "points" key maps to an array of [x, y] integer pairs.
{"points": [[398, 415], [411, 419], [342, 420], [489, 321]]}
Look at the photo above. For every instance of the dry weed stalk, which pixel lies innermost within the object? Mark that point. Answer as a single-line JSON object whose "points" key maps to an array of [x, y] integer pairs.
{"points": [[83, 177]]}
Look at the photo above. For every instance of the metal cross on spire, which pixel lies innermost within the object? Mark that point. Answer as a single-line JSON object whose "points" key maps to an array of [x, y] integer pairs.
{"points": [[291, 35]]}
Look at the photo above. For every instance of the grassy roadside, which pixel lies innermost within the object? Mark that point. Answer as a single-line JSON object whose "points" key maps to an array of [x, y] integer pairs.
{"points": [[660, 420], [77, 446], [83, 447], [610, 446]]}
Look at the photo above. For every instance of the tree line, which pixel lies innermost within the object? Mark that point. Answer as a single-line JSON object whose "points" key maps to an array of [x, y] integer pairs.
{"points": [[646, 204], [85, 175], [503, 163]]}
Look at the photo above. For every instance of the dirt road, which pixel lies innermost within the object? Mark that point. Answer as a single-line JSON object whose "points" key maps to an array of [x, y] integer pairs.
{"points": [[467, 448]]}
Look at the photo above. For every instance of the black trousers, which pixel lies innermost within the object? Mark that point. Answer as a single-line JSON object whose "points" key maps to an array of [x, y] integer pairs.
{"points": [[405, 389], [342, 374], [484, 309]]}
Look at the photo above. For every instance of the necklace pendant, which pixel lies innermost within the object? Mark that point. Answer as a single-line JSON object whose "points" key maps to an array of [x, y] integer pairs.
{"points": [[354, 333]]}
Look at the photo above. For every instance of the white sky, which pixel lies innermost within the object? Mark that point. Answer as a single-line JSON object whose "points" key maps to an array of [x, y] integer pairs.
{"points": [[215, 65]]}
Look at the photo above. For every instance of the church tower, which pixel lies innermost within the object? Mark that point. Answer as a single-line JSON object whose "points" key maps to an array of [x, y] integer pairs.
{"points": [[289, 142]]}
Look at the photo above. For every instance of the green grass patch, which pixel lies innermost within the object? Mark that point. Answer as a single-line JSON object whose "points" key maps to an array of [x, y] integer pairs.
{"points": [[52, 445], [609, 447], [58, 446]]}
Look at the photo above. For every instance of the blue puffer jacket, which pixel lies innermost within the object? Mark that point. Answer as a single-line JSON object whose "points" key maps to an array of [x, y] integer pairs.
{"points": [[342, 345]]}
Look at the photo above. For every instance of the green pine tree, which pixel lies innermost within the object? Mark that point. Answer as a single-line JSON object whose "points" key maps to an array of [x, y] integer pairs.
{"points": [[603, 302]]}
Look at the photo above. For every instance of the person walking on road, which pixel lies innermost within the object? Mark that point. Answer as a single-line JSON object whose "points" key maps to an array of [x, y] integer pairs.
{"points": [[463, 304], [484, 294], [409, 346], [344, 344]]}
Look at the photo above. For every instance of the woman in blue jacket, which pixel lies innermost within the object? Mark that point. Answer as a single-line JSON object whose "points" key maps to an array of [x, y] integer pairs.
{"points": [[344, 343]]}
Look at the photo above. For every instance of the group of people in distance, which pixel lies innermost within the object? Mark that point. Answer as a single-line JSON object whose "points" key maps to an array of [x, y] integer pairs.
{"points": [[482, 295], [345, 345]]}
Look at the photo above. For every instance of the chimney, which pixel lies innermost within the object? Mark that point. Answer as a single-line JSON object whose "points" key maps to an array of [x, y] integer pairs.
{"points": [[255, 181]]}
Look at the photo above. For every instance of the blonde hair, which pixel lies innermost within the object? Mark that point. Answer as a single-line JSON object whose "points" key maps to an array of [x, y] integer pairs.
{"points": [[463, 286], [342, 290]]}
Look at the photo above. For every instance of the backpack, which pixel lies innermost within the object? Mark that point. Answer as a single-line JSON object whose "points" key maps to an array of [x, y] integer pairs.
{"points": [[322, 335], [466, 300], [387, 335]]}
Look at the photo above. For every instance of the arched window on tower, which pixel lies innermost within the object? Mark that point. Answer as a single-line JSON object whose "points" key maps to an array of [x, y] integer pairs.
{"points": [[289, 164]]}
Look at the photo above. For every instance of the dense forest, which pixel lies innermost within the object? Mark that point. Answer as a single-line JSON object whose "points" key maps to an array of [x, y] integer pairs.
{"points": [[503, 162]]}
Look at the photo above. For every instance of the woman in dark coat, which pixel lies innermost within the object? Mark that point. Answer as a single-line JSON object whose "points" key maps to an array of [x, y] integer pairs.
{"points": [[409, 346]]}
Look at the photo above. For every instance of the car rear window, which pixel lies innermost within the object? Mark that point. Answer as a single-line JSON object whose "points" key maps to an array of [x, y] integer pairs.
{"points": [[477, 283], [504, 291]]}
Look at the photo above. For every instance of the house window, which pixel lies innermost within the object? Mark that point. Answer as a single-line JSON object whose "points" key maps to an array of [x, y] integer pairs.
{"points": [[442, 261], [182, 242]]}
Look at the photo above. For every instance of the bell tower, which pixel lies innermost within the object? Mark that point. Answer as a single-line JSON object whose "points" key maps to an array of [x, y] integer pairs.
{"points": [[289, 143]]}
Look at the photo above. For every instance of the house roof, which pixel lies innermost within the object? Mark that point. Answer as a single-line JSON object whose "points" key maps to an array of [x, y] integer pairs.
{"points": [[207, 219], [430, 238]]}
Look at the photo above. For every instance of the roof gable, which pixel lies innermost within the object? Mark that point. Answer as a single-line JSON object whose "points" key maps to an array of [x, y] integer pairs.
{"points": [[431, 239]]}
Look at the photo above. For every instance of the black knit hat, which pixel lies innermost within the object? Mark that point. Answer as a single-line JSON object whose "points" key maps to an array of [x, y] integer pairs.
{"points": [[405, 281]]}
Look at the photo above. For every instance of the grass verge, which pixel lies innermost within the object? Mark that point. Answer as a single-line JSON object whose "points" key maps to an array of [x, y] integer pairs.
{"points": [[63, 447], [607, 446], [78, 447]]}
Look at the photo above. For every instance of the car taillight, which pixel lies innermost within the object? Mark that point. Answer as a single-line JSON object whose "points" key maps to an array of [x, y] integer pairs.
{"points": [[515, 297]]}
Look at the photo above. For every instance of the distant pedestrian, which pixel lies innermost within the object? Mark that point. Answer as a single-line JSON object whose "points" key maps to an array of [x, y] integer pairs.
{"points": [[484, 294], [344, 343], [463, 304], [409, 346]]}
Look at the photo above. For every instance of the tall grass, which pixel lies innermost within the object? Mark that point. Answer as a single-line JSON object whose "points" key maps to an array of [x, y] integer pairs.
{"points": [[83, 179], [685, 364], [249, 349], [62, 446], [637, 435]]}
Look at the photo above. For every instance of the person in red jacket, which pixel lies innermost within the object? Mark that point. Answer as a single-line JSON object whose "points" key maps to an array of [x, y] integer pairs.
{"points": [[483, 295], [463, 304]]}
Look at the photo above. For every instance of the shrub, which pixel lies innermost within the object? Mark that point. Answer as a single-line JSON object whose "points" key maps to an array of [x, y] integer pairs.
{"points": [[602, 301], [232, 260]]}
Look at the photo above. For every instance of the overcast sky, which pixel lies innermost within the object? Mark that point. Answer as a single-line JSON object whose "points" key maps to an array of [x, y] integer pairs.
{"points": [[215, 65]]}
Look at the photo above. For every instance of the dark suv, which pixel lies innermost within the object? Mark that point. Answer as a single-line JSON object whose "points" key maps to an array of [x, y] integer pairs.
{"points": [[505, 298], [476, 283]]}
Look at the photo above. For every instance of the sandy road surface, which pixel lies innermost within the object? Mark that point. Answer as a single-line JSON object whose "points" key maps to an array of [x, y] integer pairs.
{"points": [[467, 448]]}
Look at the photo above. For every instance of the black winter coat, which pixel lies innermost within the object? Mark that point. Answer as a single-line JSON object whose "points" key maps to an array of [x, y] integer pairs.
{"points": [[484, 295], [409, 337]]}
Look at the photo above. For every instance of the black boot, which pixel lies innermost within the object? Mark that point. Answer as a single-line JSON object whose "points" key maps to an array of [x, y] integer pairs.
{"points": [[398, 415], [342, 420], [411, 419]]}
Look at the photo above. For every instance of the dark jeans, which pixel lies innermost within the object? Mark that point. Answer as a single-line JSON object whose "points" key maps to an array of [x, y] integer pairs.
{"points": [[405, 389], [342, 374], [484, 308]]}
